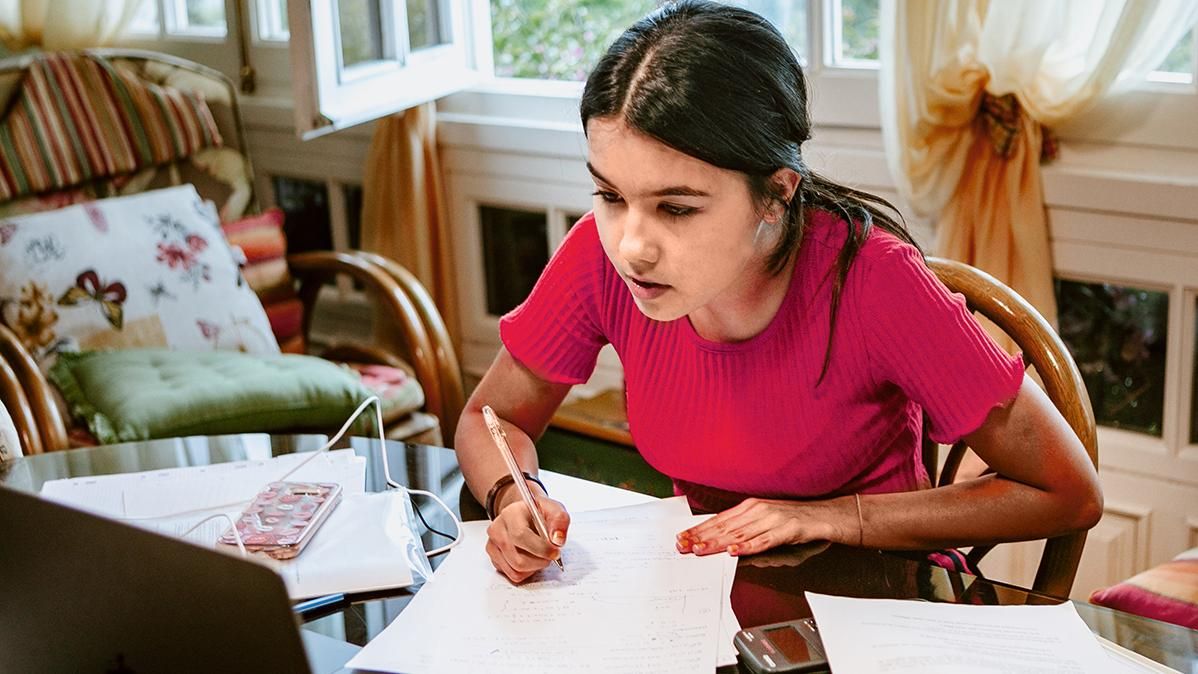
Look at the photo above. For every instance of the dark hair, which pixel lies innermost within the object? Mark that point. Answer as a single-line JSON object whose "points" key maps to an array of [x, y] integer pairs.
{"points": [[721, 84]]}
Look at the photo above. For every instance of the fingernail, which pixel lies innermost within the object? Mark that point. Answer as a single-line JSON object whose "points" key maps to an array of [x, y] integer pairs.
{"points": [[698, 546], [683, 546], [559, 537], [733, 550]]}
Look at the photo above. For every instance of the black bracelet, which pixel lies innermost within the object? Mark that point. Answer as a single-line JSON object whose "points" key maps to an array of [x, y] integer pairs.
{"points": [[500, 484]]}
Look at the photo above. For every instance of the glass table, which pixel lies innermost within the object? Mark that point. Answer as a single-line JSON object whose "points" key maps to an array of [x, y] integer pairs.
{"points": [[768, 587]]}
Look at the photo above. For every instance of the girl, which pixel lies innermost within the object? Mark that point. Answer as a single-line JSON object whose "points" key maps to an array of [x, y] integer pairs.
{"points": [[780, 334]]}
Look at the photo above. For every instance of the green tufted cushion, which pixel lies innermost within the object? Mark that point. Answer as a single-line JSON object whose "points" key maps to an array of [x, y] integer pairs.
{"points": [[138, 394]]}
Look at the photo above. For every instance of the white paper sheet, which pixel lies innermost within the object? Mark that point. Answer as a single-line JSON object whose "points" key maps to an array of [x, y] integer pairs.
{"points": [[1124, 661], [675, 507], [894, 636], [627, 602]]}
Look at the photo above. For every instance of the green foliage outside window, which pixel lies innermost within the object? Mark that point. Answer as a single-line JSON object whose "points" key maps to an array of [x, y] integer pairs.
{"points": [[557, 39], [859, 30], [1181, 58], [563, 39]]}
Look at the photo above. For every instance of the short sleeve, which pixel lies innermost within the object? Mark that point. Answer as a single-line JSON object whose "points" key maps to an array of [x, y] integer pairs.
{"points": [[556, 331], [922, 338]]}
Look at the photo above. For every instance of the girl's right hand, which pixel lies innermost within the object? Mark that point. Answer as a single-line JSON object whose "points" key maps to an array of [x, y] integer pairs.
{"points": [[516, 548]]}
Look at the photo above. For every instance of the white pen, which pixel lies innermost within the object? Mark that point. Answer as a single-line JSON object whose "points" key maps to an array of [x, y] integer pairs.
{"points": [[505, 451]]}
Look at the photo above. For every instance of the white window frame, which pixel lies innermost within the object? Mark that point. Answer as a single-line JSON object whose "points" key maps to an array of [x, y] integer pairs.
{"points": [[329, 97]]}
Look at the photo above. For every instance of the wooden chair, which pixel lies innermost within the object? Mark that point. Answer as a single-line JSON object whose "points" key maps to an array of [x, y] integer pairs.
{"points": [[446, 383], [1042, 349]]}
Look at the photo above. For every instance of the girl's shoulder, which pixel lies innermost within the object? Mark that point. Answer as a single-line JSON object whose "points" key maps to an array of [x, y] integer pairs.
{"points": [[826, 235]]}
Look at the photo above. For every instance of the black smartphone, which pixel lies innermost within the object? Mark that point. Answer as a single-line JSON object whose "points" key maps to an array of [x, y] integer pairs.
{"points": [[791, 646]]}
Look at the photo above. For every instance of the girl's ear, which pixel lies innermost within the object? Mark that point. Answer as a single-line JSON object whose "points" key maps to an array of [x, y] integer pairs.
{"points": [[783, 183]]}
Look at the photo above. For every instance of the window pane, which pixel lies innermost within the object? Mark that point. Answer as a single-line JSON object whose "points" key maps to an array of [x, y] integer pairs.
{"points": [[145, 22], [305, 204], [424, 24], [1117, 335], [788, 16], [272, 20], [858, 31], [353, 214], [1181, 58], [563, 39], [206, 14], [1194, 383], [557, 39], [515, 250], [361, 31]]}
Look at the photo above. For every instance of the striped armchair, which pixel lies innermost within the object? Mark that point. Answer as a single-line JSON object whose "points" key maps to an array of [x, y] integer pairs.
{"points": [[80, 126]]}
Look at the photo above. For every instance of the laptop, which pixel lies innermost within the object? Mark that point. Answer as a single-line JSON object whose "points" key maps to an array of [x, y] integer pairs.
{"points": [[82, 593]]}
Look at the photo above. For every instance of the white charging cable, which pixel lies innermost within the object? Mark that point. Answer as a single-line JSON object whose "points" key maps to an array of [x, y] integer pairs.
{"points": [[382, 446]]}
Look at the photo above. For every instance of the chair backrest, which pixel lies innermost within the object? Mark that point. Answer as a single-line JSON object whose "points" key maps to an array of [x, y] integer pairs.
{"points": [[221, 174], [1042, 349]]}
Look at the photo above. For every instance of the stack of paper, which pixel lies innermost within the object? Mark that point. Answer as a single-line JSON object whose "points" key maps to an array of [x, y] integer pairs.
{"points": [[891, 635], [626, 602], [366, 544]]}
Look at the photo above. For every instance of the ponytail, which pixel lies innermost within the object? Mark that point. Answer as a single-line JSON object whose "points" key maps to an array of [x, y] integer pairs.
{"points": [[860, 211]]}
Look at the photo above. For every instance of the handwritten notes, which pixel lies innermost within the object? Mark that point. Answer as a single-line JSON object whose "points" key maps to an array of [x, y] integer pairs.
{"points": [[627, 602]]}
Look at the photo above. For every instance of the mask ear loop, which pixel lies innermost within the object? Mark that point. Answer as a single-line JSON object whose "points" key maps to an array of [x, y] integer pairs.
{"points": [[232, 527]]}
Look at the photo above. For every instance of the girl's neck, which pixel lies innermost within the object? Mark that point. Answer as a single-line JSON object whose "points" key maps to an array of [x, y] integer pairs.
{"points": [[746, 309]]}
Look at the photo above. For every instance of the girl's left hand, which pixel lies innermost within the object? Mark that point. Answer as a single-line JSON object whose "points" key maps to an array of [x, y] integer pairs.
{"points": [[756, 525]]}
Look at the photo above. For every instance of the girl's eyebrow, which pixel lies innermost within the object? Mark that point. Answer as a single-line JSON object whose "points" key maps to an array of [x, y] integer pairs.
{"points": [[672, 191]]}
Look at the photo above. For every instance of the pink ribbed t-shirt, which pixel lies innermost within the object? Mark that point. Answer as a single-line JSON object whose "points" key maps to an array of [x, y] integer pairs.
{"points": [[730, 420]]}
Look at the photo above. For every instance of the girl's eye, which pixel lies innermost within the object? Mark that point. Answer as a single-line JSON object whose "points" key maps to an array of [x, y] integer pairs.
{"points": [[677, 211], [609, 197]]}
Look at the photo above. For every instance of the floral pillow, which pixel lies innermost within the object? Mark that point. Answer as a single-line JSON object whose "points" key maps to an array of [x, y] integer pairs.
{"points": [[146, 270]]}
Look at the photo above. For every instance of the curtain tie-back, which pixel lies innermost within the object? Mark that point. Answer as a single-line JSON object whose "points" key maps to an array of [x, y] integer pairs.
{"points": [[1000, 116]]}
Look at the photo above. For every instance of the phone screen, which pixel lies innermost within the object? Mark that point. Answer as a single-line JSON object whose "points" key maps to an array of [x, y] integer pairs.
{"points": [[791, 643]]}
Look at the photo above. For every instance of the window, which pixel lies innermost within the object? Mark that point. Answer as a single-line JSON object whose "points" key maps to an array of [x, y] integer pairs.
{"points": [[368, 58], [307, 220], [272, 20], [515, 247], [853, 29], [181, 18], [1179, 66], [552, 40], [1117, 336]]}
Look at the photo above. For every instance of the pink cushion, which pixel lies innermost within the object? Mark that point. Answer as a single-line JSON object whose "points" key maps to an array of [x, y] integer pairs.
{"points": [[1168, 592]]}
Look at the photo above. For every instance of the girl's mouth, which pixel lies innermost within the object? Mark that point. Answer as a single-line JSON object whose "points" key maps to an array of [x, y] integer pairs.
{"points": [[645, 290]]}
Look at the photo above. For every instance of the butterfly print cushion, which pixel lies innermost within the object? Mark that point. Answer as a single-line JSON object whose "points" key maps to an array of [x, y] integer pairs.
{"points": [[146, 270]]}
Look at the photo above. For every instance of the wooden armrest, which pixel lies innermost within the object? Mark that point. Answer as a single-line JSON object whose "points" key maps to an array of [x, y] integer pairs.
{"points": [[39, 394], [312, 269], [12, 395], [452, 391]]}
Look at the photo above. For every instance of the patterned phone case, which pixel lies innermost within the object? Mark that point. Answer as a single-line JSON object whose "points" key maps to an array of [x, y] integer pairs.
{"points": [[284, 517]]}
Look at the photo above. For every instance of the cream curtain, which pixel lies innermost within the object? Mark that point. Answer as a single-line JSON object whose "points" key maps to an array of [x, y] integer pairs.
{"points": [[965, 86], [404, 211], [64, 24]]}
